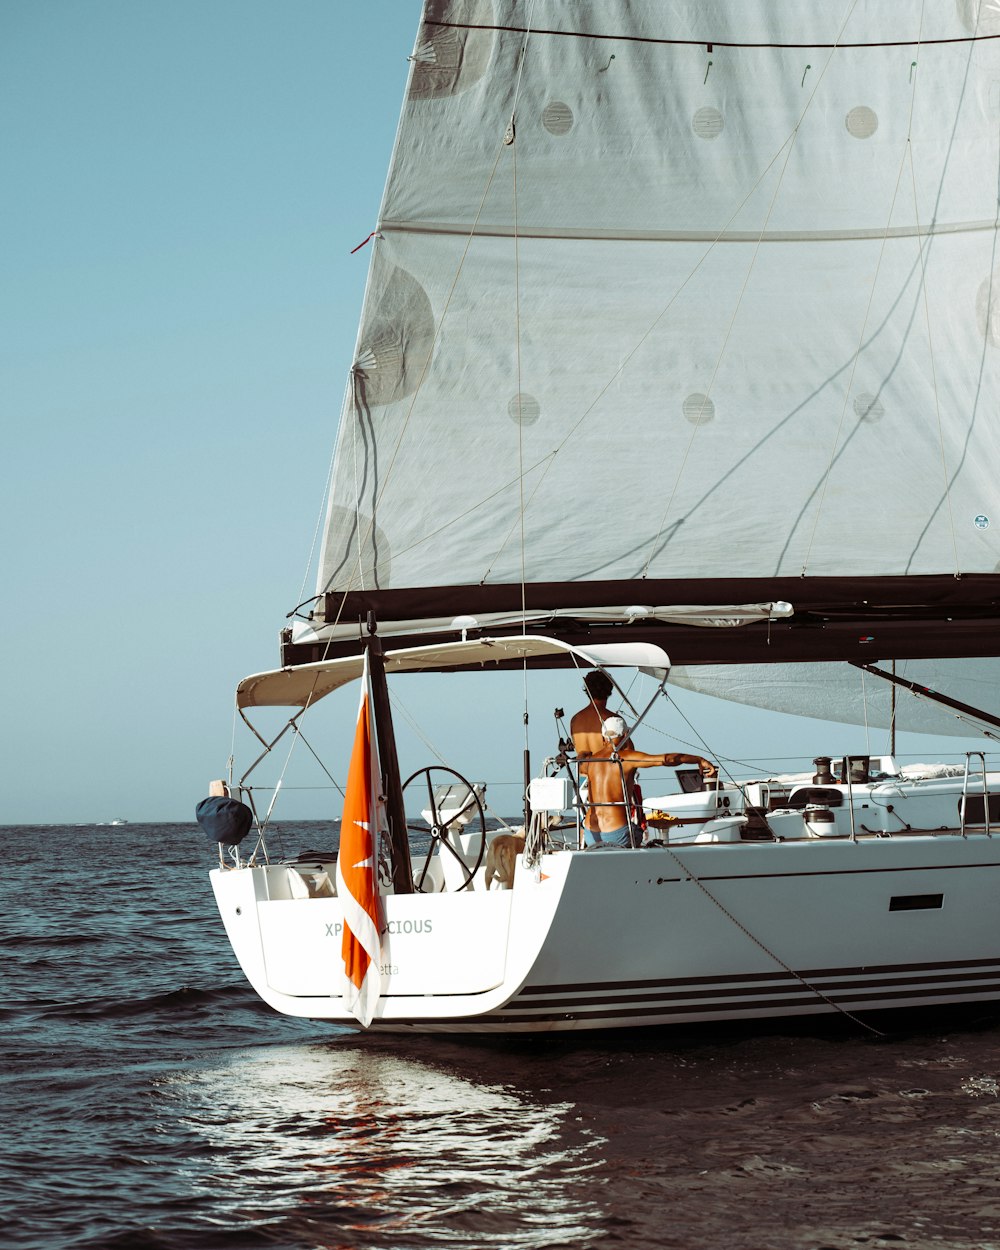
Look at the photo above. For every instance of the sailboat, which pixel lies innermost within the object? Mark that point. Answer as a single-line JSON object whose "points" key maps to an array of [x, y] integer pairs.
{"points": [[678, 355]]}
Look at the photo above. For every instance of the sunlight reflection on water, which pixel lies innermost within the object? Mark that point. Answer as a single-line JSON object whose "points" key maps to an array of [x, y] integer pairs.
{"points": [[386, 1148]]}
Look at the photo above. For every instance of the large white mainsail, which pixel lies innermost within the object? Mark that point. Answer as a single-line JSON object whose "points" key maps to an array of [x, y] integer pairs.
{"points": [[704, 294]]}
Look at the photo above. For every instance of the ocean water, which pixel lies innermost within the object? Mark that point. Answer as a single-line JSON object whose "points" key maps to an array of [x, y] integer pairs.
{"points": [[151, 1101]]}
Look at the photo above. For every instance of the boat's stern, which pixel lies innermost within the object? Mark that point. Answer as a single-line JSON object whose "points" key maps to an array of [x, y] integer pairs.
{"points": [[444, 955]]}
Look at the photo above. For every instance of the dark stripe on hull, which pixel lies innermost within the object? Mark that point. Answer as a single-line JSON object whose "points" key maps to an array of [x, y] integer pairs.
{"points": [[812, 975], [789, 1003], [740, 998], [795, 989]]}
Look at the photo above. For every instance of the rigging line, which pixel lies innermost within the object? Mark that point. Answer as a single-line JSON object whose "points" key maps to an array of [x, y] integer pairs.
{"points": [[696, 426], [336, 783], [519, 392], [974, 406], [405, 424], [770, 953], [982, 360], [899, 349], [571, 433], [437, 332], [288, 759], [357, 487], [426, 365], [524, 52], [922, 254], [363, 433], [834, 454], [400, 707], [893, 706], [262, 789], [840, 447], [350, 583], [702, 43], [920, 262], [964, 713], [427, 535], [517, 356], [319, 522], [232, 744], [709, 753], [423, 373]]}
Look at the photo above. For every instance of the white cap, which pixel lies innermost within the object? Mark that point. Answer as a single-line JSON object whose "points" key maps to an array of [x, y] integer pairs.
{"points": [[613, 728]]}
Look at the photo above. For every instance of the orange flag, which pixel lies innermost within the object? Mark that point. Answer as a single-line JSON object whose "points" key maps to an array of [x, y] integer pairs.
{"points": [[357, 869]]}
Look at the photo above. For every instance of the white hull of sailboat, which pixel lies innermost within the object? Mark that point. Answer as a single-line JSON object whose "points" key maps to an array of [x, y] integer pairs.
{"points": [[625, 939]]}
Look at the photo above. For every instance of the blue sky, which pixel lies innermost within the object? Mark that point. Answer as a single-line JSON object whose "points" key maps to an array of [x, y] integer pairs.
{"points": [[182, 186]]}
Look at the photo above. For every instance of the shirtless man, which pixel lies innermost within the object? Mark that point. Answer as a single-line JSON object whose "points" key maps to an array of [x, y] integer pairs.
{"points": [[597, 736]]}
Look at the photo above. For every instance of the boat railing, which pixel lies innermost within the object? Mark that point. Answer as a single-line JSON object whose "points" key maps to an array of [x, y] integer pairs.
{"points": [[981, 757]]}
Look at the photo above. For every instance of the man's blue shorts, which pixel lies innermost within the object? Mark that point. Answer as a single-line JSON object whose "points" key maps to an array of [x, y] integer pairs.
{"points": [[610, 837]]}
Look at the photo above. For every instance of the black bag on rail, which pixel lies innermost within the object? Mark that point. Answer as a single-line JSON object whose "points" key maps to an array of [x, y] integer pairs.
{"points": [[224, 820]]}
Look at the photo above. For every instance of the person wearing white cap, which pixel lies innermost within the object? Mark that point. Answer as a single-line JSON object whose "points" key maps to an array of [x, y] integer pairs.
{"points": [[609, 761]]}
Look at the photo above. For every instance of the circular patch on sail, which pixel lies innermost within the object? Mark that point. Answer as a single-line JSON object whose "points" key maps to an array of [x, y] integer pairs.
{"points": [[356, 555], [982, 522], [557, 118], [698, 409], [450, 59], [524, 409], [397, 341], [861, 122], [988, 308], [979, 17], [708, 123], [869, 407]]}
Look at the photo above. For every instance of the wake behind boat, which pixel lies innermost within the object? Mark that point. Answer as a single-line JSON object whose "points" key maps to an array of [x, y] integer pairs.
{"points": [[704, 302]]}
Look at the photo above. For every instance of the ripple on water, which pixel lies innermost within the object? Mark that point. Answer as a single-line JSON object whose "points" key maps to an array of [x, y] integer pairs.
{"points": [[155, 1101]]}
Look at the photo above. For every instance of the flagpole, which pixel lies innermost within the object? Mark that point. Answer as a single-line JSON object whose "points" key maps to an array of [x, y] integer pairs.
{"points": [[402, 875]]}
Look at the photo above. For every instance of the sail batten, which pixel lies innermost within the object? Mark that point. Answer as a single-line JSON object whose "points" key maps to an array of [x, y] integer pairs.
{"points": [[527, 231], [708, 41]]}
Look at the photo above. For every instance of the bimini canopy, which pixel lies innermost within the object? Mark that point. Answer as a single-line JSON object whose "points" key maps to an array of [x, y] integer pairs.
{"points": [[303, 685]]}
